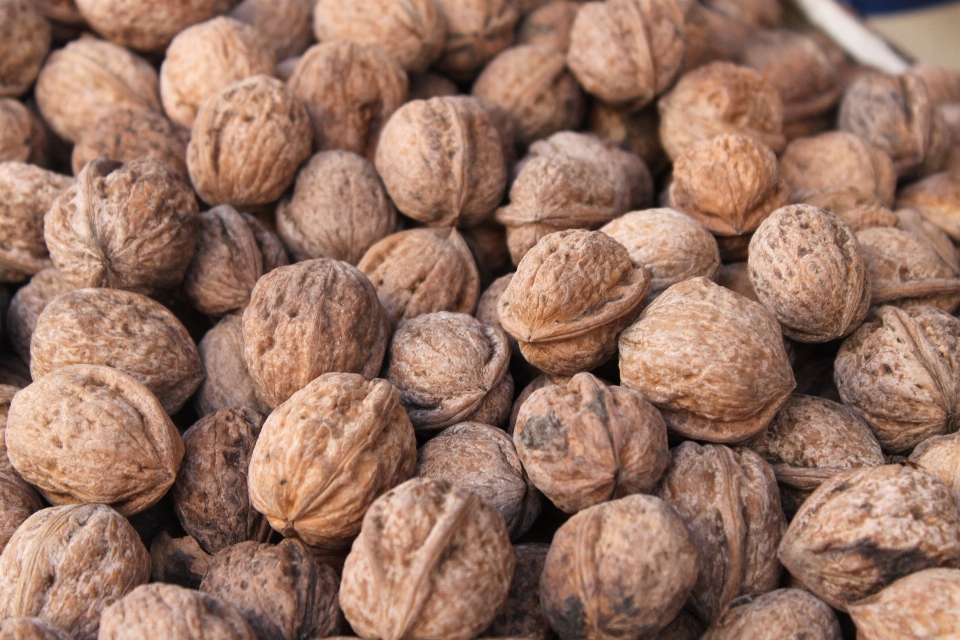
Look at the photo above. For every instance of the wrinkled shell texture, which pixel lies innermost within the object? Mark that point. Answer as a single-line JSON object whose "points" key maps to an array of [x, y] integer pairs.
{"points": [[432, 561], [126, 135], [23, 137], [621, 569], [27, 305], [66, 564], [178, 561], [93, 434], [937, 198], [477, 30], [734, 375], [147, 26], [286, 24], [521, 616], [326, 454], [30, 629], [940, 456], [856, 209], [26, 38], [921, 605], [227, 383], [784, 613]]}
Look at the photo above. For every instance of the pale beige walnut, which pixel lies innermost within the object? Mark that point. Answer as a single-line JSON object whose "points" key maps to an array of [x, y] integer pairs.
{"points": [[23, 137], [477, 30], [940, 456], [90, 78], [25, 38], [126, 135], [412, 31], [719, 98], [858, 210], [728, 183], [30, 629], [483, 459], [791, 614], [350, 91], [123, 330], [168, 611], [620, 569], [204, 59], [921, 605], [66, 564], [901, 372], [521, 616], [339, 209], [26, 306], [247, 143], [18, 501], [433, 560], [147, 26], [863, 529], [450, 368], [421, 271], [711, 360], [178, 561], [534, 85], [635, 131], [227, 383], [936, 198], [549, 26]]}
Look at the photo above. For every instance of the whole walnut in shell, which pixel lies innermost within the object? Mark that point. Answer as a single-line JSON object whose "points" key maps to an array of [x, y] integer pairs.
{"points": [[549, 26], [30, 629], [18, 501], [178, 561], [936, 198], [635, 131], [859, 211], [521, 615], [477, 30], [287, 25], [126, 135], [939, 456], [66, 564], [432, 560], [147, 26], [784, 613], [920, 605], [23, 137], [28, 303], [227, 383], [25, 35]]}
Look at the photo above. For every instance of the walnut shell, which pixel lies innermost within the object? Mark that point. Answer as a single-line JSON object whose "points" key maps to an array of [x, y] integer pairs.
{"points": [[25, 35], [424, 86], [711, 35], [178, 561], [477, 30], [432, 560], [922, 604], [23, 137], [287, 25], [784, 613], [30, 629], [549, 26], [521, 616], [28, 303], [488, 244], [939, 456], [936, 198], [66, 564], [635, 131], [910, 220], [227, 383], [63, 11], [7, 392], [18, 501], [620, 569], [147, 26], [126, 135], [859, 211]]}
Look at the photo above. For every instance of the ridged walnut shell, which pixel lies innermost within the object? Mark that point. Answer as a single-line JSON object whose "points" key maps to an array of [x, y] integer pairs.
{"points": [[521, 615], [784, 613], [287, 25], [227, 383], [126, 135], [921, 605], [147, 26], [26, 36], [23, 137], [549, 26], [936, 198], [26, 306], [30, 629], [940, 456], [477, 30]]}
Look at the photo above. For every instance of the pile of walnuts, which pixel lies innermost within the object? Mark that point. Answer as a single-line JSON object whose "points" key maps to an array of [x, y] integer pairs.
{"points": [[457, 319]]}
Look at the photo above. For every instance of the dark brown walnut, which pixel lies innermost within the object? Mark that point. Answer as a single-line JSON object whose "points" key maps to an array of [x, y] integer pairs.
{"points": [[728, 183], [791, 614], [247, 142], [534, 85], [126, 135], [920, 605], [422, 271], [432, 560], [308, 319], [684, 627], [627, 51], [521, 616], [227, 383], [549, 26], [26, 36], [66, 564], [413, 32], [424, 86], [30, 629], [483, 459], [126, 226], [147, 27], [719, 98], [858, 210], [90, 78], [176, 613], [733, 375], [23, 137], [210, 494], [940, 456], [477, 30], [18, 501], [488, 244], [620, 569], [635, 131], [442, 161], [901, 372], [863, 529], [729, 500], [936, 198], [123, 330], [178, 561]]}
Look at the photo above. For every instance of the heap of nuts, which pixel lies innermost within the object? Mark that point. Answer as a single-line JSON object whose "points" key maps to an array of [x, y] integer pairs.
{"points": [[456, 319]]}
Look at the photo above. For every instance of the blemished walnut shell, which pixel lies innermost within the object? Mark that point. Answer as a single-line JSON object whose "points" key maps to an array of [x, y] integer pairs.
{"points": [[308, 319], [172, 612], [863, 529], [23, 137], [728, 183], [719, 98], [920, 605], [477, 30], [66, 564], [26, 36], [413, 32], [627, 51], [521, 616], [281, 590], [26, 306], [534, 85], [433, 560], [287, 25], [784, 613], [18, 501], [483, 459], [858, 210], [147, 26], [901, 372], [729, 500], [227, 383], [940, 456], [422, 271], [936, 198], [178, 561], [549, 26], [90, 78], [247, 142], [619, 569], [30, 629], [123, 330], [126, 135]]}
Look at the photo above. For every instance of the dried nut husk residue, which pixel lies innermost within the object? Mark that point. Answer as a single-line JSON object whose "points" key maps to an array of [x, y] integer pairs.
{"points": [[781, 614], [921, 605]]}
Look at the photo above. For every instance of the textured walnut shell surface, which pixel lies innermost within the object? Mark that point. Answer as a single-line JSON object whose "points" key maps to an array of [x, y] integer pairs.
{"points": [[858, 210], [940, 456], [124, 225], [66, 564], [99, 77], [521, 616], [287, 25], [936, 198], [227, 383], [30, 629], [477, 30], [549, 26], [147, 27], [23, 137], [178, 561], [784, 613], [901, 372], [6, 395], [734, 374], [433, 560], [910, 220], [618, 569], [863, 529], [311, 318], [126, 135], [921, 605], [18, 501], [26, 36], [424, 86], [635, 131], [123, 330], [281, 590]]}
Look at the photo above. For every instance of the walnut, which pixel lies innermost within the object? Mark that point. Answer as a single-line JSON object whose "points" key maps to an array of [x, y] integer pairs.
{"points": [[936, 198], [488, 244], [922, 604], [780, 613], [287, 25], [736, 277], [25, 35], [126, 135], [719, 98], [549, 26], [18, 501], [859, 211], [635, 566], [30, 629], [710, 35], [26, 306], [863, 529], [90, 78], [477, 30], [938, 456], [147, 27], [942, 82], [635, 131], [7, 392], [66, 564], [247, 143], [227, 383], [684, 627], [23, 137], [534, 85], [521, 616], [123, 330], [424, 86], [508, 128], [733, 375], [910, 220], [178, 561], [432, 560]]}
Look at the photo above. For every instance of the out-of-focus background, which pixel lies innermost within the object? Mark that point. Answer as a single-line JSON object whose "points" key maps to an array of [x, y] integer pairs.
{"points": [[928, 32]]}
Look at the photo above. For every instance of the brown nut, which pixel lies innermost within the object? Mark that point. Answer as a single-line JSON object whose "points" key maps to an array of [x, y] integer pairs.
{"points": [[736, 277], [227, 383], [126, 135], [477, 30], [920, 605], [859, 211], [635, 131], [143, 26], [936, 198], [30, 629], [64, 11], [287, 25], [178, 561], [939, 456], [18, 501], [23, 137], [25, 35], [27, 305], [424, 86], [781, 613], [488, 244], [549, 26], [521, 615]]}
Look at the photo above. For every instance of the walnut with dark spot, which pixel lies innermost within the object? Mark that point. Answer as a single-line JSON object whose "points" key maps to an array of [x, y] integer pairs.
{"points": [[178, 561]]}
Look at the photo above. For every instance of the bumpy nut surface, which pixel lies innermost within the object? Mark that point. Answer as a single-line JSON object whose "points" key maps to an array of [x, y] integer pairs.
{"points": [[125, 135], [23, 137], [308, 319], [477, 30], [227, 383], [432, 560], [178, 561], [26, 37], [936, 198], [940, 456], [782, 613], [521, 616], [287, 25], [27, 305], [66, 564], [922, 605], [30, 629], [147, 27]]}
